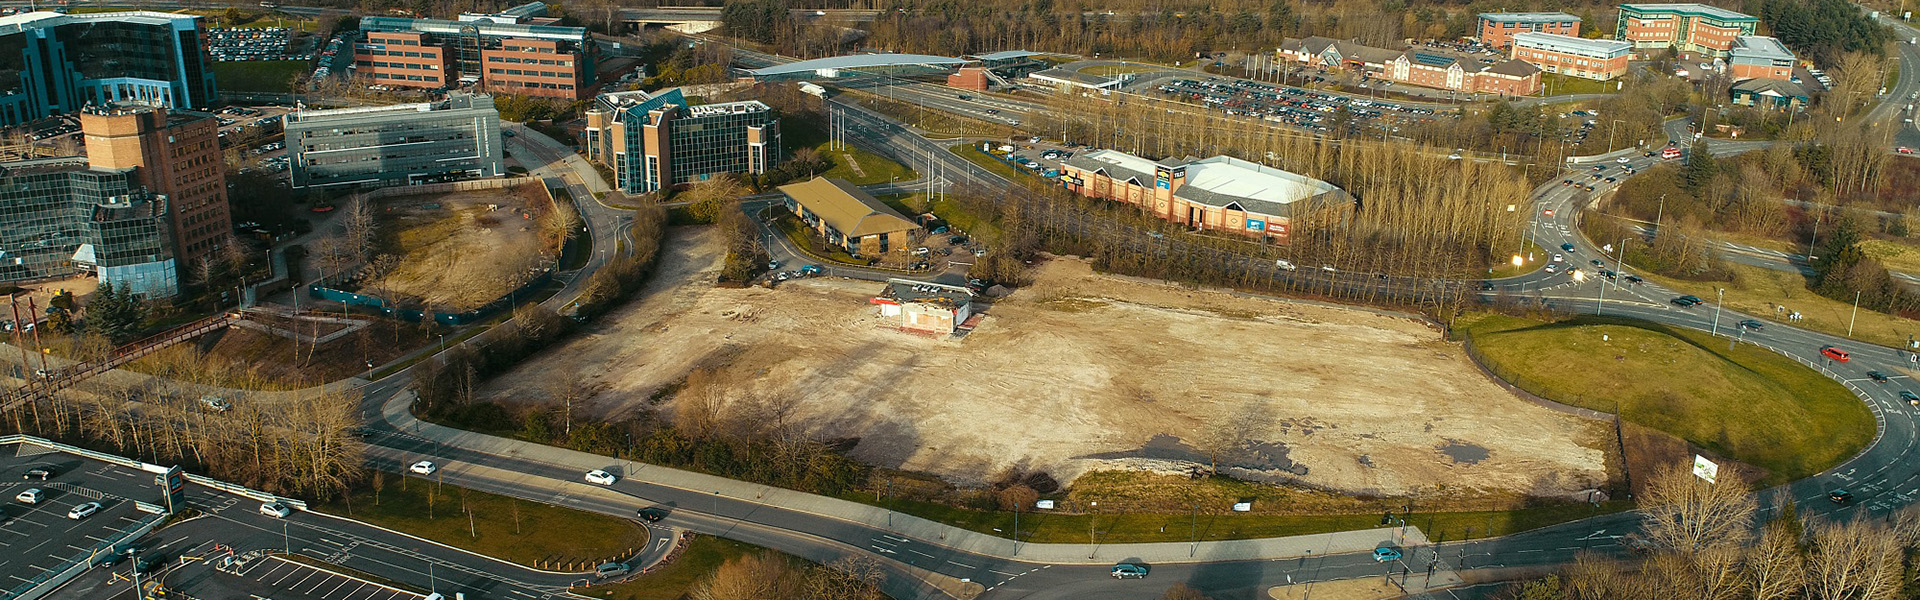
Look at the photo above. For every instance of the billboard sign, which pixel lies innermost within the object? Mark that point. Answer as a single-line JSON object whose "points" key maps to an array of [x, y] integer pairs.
{"points": [[1705, 469], [1256, 225]]}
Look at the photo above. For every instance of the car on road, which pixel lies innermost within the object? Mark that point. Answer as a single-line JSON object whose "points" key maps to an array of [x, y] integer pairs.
{"points": [[1597, 264], [40, 473], [1840, 496], [1686, 301], [601, 477], [1877, 376], [1905, 150], [425, 467], [83, 511], [1753, 324], [652, 514], [1552, 268], [31, 496], [1557, 257], [1634, 279], [612, 569], [1910, 397], [1129, 571], [1386, 554], [1567, 247], [275, 510], [1622, 160], [809, 269], [1835, 353], [773, 264]]}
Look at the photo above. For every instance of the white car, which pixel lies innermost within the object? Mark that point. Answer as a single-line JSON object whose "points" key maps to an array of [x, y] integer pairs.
{"points": [[83, 511], [601, 477], [425, 467], [32, 496], [1621, 160], [275, 510]]}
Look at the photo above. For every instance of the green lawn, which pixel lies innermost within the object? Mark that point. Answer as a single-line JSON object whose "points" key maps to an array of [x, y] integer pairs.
{"points": [[258, 75], [521, 531], [702, 556], [1748, 404], [1556, 84], [1181, 527], [802, 238], [972, 153], [852, 164], [1507, 269]]}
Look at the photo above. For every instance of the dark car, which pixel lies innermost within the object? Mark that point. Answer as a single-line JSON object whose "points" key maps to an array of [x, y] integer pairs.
{"points": [[40, 473], [1877, 376], [1910, 397], [1685, 301], [1567, 247], [652, 514], [1753, 324], [1840, 496], [1634, 279]]}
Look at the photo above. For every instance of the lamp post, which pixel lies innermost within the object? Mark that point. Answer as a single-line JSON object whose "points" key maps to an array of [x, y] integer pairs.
{"points": [[1856, 313], [1720, 297]]}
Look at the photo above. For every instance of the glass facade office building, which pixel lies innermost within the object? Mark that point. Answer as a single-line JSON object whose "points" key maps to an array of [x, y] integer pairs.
{"points": [[52, 63], [659, 142], [432, 142], [59, 218]]}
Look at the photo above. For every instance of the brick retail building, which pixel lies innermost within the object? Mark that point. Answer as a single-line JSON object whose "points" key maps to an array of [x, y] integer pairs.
{"points": [[1220, 193]]}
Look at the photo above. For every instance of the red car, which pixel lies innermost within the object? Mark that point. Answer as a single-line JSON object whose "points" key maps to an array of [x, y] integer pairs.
{"points": [[1670, 153], [1834, 353], [1905, 150]]}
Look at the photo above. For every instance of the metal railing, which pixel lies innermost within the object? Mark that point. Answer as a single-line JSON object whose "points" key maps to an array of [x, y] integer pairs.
{"points": [[43, 387]]}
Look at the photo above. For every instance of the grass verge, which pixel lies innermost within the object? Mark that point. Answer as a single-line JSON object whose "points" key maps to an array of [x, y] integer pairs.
{"points": [[802, 239], [851, 163], [702, 556], [987, 161], [1746, 403], [1562, 85], [258, 76], [1772, 294], [1508, 269], [527, 533]]}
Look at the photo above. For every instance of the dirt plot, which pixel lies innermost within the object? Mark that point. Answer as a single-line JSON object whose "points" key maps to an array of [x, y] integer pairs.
{"points": [[462, 250], [1084, 372]]}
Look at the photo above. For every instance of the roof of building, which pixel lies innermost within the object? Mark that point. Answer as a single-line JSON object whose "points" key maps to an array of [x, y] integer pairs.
{"points": [[1555, 42], [1762, 86], [1225, 181], [743, 106], [1004, 55], [39, 19], [1116, 164], [907, 290], [1514, 68], [1528, 17], [856, 61], [455, 100], [1059, 75], [1761, 47], [530, 9], [1689, 9], [445, 27], [43, 165], [847, 208]]}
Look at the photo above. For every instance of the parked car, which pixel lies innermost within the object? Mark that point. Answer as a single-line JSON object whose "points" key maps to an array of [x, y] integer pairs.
{"points": [[598, 476], [31, 496], [1836, 354], [1386, 554], [275, 510], [83, 511], [1129, 571], [40, 473], [425, 467]]}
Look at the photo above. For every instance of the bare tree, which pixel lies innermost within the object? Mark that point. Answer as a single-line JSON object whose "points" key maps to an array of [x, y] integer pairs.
{"points": [[1686, 514], [751, 577], [1854, 559]]}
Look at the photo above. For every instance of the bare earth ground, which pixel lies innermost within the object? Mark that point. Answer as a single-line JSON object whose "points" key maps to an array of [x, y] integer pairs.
{"points": [[1065, 377], [457, 254]]}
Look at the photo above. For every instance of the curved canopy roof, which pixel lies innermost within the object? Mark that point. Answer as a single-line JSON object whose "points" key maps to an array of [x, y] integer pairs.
{"points": [[855, 61]]}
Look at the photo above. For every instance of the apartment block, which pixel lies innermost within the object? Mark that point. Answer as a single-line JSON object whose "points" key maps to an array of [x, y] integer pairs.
{"points": [[406, 144], [1497, 29], [53, 63], [500, 55], [1602, 60], [174, 154], [1701, 28], [657, 142]]}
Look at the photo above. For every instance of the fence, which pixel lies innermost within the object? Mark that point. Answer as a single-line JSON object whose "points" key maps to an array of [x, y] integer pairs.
{"points": [[50, 580], [223, 486], [451, 186]]}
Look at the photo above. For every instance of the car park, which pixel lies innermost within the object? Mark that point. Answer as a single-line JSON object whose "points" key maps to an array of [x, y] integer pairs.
{"points": [[84, 510], [600, 477], [1128, 571], [1835, 353], [276, 510], [425, 467]]}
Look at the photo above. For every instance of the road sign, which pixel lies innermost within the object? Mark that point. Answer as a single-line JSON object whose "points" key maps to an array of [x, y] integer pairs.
{"points": [[1705, 469]]}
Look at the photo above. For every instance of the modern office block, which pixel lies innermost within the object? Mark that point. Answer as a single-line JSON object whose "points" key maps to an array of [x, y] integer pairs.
{"points": [[659, 142], [175, 154], [61, 217], [502, 55], [406, 144], [52, 63]]}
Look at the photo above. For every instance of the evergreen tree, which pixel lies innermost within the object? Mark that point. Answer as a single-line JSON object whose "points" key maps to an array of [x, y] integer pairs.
{"points": [[114, 312], [1700, 168]]}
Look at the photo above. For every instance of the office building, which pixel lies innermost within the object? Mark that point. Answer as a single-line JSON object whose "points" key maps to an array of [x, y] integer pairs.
{"points": [[1497, 29], [1601, 60], [52, 63], [502, 55], [1220, 193], [1419, 66], [404, 144], [1708, 30], [61, 217], [1766, 92], [656, 142], [176, 155], [846, 216], [1759, 56]]}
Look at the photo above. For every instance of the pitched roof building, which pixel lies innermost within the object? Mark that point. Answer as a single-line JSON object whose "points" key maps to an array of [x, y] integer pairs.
{"points": [[848, 216], [1416, 66], [1220, 193]]}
